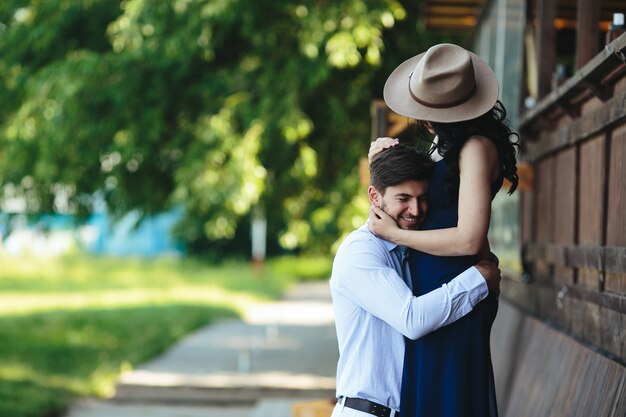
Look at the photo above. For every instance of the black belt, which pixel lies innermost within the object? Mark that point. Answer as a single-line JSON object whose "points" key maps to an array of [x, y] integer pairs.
{"points": [[368, 407]]}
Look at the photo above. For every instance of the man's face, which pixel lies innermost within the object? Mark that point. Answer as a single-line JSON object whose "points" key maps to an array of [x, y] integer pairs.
{"points": [[406, 203]]}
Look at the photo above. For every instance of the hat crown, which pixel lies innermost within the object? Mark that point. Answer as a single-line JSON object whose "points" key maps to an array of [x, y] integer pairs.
{"points": [[443, 77], [445, 84]]}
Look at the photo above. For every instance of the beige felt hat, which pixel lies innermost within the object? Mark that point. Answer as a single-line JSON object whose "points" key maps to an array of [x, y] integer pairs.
{"points": [[444, 84]]}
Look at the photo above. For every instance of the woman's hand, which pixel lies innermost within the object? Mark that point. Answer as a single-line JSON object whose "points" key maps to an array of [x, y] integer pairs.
{"points": [[379, 144], [383, 225]]}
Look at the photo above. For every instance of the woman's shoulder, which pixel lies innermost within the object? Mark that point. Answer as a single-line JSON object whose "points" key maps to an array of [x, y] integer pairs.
{"points": [[480, 141], [480, 154], [481, 145]]}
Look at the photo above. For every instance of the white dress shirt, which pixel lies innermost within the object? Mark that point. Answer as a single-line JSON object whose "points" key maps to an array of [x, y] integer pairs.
{"points": [[374, 309]]}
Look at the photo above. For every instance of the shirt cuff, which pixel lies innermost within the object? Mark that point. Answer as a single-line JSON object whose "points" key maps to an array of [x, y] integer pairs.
{"points": [[475, 284]]}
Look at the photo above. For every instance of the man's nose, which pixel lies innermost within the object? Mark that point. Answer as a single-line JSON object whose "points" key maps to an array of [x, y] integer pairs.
{"points": [[414, 207]]}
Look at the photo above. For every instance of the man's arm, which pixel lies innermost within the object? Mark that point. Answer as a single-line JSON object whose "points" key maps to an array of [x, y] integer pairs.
{"points": [[362, 272]]}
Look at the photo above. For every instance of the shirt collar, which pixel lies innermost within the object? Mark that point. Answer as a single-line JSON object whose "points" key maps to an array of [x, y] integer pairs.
{"points": [[387, 244]]}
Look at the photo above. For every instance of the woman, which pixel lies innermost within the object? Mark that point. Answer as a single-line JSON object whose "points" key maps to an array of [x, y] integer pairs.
{"points": [[454, 94]]}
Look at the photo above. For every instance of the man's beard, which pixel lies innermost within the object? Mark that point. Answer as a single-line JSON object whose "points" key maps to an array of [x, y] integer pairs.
{"points": [[418, 219]]}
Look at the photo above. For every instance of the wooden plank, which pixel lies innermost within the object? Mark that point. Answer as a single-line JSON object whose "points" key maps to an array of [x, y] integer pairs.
{"points": [[526, 218], [565, 197], [521, 292], [578, 312], [396, 124], [541, 272], [592, 164], [616, 218], [545, 14], [592, 323], [601, 258], [460, 3], [616, 213], [589, 257], [612, 330], [615, 283], [450, 10], [590, 377], [587, 33], [589, 277], [615, 259], [544, 201], [591, 214], [386, 122], [565, 224], [378, 113], [458, 23], [603, 299]]}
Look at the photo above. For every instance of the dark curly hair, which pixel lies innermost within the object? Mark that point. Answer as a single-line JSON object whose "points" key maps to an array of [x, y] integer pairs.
{"points": [[492, 125]]}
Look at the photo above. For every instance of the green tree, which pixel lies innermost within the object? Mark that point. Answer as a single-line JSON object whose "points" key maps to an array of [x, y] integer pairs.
{"points": [[223, 107]]}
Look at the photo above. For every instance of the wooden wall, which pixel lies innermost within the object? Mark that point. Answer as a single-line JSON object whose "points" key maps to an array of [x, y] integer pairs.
{"points": [[559, 341], [573, 220]]}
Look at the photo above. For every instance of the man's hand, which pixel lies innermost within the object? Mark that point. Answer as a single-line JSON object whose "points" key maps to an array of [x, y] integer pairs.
{"points": [[492, 275]]}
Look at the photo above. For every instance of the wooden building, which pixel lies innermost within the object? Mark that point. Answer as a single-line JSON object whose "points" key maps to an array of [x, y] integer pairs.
{"points": [[559, 343]]}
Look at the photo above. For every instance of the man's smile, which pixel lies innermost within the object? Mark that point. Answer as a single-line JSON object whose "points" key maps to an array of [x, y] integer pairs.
{"points": [[410, 219]]}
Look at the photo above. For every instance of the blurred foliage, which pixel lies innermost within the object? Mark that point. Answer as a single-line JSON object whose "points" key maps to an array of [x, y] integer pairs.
{"points": [[223, 107], [69, 325]]}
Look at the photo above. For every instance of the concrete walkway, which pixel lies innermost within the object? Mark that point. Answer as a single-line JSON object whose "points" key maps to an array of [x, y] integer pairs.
{"points": [[281, 355]]}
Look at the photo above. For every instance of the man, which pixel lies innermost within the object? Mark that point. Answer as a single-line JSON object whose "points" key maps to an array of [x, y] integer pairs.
{"points": [[374, 308]]}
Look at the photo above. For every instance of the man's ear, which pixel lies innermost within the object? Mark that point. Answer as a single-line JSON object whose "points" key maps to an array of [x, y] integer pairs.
{"points": [[374, 196]]}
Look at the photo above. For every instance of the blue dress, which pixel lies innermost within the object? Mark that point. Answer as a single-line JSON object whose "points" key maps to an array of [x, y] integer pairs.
{"points": [[448, 373]]}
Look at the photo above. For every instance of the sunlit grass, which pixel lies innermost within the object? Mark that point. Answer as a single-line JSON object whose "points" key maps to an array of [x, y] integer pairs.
{"points": [[69, 326], [78, 274], [303, 268]]}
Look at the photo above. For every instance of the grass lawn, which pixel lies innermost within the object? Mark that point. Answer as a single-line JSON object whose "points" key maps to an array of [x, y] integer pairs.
{"points": [[69, 326]]}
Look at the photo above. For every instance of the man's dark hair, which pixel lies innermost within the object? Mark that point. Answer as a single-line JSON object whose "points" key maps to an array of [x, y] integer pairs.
{"points": [[398, 164]]}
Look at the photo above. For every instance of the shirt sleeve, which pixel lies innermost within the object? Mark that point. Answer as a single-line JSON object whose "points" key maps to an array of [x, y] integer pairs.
{"points": [[363, 273]]}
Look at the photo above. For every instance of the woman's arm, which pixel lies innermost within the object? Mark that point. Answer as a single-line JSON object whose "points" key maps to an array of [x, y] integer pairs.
{"points": [[478, 166], [379, 145]]}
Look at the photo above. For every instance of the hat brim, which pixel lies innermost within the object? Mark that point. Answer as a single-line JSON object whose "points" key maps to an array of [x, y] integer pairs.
{"points": [[397, 95]]}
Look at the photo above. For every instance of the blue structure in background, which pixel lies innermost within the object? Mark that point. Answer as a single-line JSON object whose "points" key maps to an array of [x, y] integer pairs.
{"points": [[53, 233], [152, 237]]}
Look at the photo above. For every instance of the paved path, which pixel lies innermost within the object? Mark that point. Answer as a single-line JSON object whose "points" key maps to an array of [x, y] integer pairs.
{"points": [[281, 353]]}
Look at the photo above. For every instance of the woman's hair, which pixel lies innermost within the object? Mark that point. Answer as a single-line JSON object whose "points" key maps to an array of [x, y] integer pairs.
{"points": [[492, 125]]}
